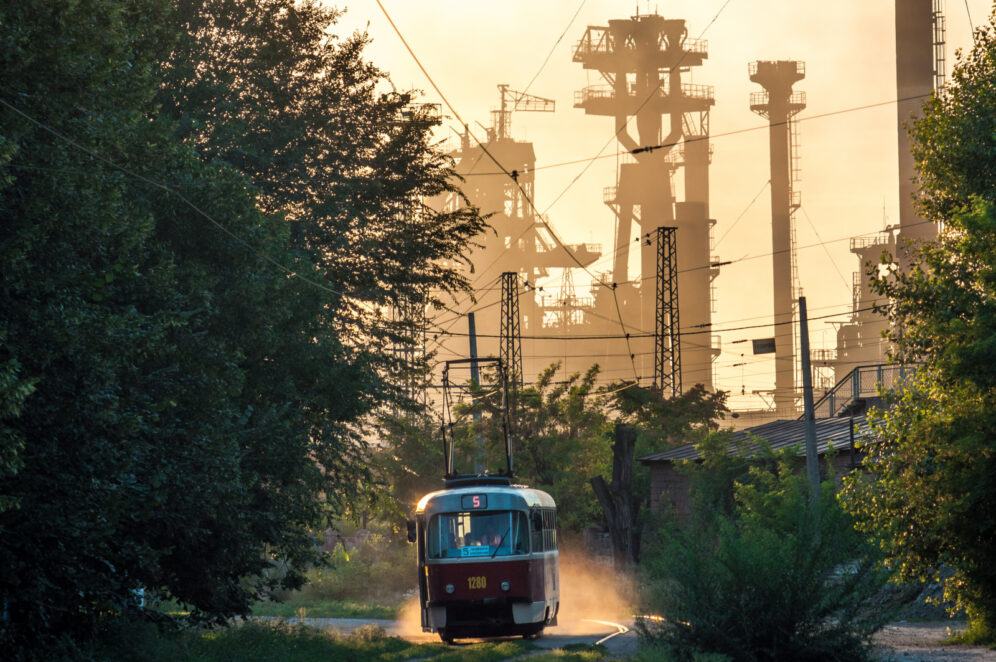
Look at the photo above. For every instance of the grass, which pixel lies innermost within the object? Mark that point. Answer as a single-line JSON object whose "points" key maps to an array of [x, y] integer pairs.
{"points": [[280, 642], [572, 653], [319, 608], [977, 634]]}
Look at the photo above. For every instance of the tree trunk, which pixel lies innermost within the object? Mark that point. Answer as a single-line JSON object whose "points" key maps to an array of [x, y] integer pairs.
{"points": [[616, 498]]}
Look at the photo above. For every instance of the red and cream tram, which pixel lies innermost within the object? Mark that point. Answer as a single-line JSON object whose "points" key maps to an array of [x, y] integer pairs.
{"points": [[487, 549], [488, 561]]}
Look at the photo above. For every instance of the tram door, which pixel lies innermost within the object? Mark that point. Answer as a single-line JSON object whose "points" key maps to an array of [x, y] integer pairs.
{"points": [[423, 591]]}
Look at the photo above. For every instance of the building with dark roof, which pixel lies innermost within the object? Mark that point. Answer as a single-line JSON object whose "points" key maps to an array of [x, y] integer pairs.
{"points": [[667, 485]]}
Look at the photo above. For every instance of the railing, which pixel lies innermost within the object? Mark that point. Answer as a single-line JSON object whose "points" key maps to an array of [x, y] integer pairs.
{"points": [[800, 67], [599, 41], [880, 239], [688, 90], [796, 101], [862, 382], [823, 355], [696, 46]]}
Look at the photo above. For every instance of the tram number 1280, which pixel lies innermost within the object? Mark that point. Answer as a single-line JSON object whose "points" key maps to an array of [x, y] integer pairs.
{"points": [[477, 582]]}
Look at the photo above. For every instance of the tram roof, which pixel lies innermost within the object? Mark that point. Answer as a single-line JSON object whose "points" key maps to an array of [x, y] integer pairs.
{"points": [[500, 498]]}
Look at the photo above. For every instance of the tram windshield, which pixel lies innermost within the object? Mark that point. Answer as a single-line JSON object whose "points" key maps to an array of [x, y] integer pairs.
{"points": [[478, 534]]}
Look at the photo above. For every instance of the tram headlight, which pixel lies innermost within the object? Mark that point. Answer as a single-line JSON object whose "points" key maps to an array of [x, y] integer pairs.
{"points": [[450, 588], [505, 586]]}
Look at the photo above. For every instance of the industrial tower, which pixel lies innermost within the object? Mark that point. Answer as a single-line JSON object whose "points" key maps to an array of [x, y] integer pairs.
{"points": [[779, 104], [919, 70], [920, 61], [644, 60], [520, 243]]}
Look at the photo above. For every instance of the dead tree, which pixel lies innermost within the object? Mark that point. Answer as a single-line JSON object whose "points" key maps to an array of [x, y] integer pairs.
{"points": [[616, 498]]}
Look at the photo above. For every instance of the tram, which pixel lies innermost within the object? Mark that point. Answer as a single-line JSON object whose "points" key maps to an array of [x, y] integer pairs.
{"points": [[488, 564]]}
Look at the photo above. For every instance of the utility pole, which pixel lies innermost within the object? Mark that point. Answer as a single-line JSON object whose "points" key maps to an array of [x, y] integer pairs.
{"points": [[475, 377], [667, 347], [812, 460]]}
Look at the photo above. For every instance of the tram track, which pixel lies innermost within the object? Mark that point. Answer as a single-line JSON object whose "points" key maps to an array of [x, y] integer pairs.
{"points": [[620, 629]]}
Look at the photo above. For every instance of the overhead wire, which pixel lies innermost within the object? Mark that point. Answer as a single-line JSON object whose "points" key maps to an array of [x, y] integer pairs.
{"points": [[680, 333], [825, 250], [512, 175], [625, 124], [555, 44], [750, 204], [732, 132]]}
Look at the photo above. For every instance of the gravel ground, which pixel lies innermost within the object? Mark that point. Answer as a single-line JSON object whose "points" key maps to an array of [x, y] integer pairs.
{"points": [[921, 642]]}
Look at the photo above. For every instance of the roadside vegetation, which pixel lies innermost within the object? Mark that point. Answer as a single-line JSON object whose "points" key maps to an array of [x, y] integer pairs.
{"points": [[280, 642], [206, 209], [931, 497], [759, 570], [371, 580]]}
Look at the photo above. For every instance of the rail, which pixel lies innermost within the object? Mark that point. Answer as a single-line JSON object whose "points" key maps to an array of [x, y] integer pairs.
{"points": [[863, 382]]}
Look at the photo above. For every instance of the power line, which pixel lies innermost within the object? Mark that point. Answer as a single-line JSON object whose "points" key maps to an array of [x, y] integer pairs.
{"points": [[682, 333], [513, 176], [733, 132], [554, 47], [820, 239], [743, 213]]}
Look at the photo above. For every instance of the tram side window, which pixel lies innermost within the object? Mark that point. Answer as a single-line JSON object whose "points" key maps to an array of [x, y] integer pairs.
{"points": [[549, 530], [537, 530]]}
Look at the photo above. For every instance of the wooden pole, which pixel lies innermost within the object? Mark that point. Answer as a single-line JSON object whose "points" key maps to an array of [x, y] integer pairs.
{"points": [[812, 459]]}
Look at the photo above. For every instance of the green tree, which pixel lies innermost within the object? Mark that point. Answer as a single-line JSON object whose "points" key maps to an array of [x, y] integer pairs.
{"points": [[933, 454], [563, 435], [759, 571], [200, 322]]}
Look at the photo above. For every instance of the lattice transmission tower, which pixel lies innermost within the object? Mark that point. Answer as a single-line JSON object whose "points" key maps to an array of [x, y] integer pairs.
{"points": [[667, 343], [511, 334]]}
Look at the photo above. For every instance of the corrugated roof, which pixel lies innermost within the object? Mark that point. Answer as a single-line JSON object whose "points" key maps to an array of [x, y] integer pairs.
{"points": [[780, 434]]}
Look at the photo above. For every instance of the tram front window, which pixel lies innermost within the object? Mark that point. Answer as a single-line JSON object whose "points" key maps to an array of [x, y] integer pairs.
{"points": [[479, 534]]}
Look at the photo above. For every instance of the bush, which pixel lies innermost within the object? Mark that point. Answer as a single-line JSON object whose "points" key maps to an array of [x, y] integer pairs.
{"points": [[760, 571], [378, 571]]}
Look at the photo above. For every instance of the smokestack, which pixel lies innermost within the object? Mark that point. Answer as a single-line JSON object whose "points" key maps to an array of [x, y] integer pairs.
{"points": [[779, 104], [918, 46]]}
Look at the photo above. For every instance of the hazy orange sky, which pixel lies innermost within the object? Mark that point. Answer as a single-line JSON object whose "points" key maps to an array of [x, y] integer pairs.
{"points": [[849, 174]]}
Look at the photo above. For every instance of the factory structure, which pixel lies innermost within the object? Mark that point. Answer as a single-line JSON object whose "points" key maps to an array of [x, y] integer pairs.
{"points": [[650, 320]]}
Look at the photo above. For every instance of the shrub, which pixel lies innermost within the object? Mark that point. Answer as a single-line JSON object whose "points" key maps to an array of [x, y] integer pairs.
{"points": [[760, 571], [378, 571]]}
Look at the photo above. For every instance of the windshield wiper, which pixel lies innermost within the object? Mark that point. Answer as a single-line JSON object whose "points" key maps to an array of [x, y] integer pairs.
{"points": [[500, 541]]}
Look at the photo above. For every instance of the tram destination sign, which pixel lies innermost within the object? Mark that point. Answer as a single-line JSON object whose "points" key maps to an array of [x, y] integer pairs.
{"points": [[474, 501]]}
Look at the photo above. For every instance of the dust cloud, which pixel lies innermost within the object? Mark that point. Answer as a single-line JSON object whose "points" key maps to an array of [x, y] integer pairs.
{"points": [[409, 623], [590, 590]]}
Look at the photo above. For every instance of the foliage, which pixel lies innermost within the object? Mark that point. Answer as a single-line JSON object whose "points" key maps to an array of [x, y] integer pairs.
{"points": [[407, 464], [933, 453], [667, 422], [932, 498], [377, 571], [205, 208], [563, 437], [664, 423], [280, 642], [560, 438], [760, 571], [297, 605], [954, 142]]}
